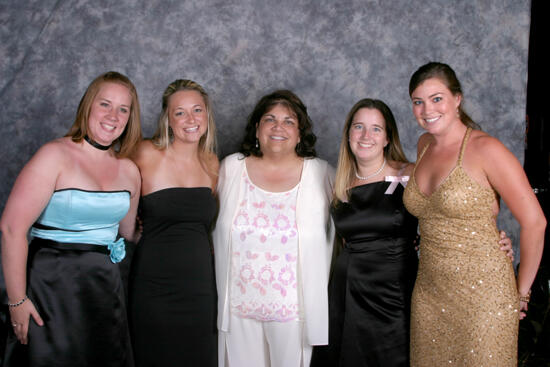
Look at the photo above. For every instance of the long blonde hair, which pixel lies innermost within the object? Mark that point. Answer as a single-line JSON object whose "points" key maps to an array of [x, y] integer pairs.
{"points": [[347, 164], [164, 136]]}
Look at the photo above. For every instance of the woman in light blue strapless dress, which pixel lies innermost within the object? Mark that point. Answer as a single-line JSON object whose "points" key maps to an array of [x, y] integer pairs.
{"points": [[76, 195]]}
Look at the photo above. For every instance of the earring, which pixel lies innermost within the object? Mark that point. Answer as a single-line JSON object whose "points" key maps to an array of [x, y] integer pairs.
{"points": [[257, 143]]}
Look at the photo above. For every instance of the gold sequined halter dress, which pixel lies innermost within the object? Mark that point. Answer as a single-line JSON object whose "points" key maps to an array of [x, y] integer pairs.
{"points": [[465, 305]]}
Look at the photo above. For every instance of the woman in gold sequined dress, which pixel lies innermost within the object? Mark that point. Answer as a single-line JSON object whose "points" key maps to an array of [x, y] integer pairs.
{"points": [[467, 301]]}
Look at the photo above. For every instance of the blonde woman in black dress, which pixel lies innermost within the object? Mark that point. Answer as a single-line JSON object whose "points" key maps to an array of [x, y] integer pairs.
{"points": [[172, 285]]}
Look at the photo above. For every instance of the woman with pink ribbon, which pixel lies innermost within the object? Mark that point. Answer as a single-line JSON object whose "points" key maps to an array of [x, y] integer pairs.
{"points": [[373, 276], [369, 294]]}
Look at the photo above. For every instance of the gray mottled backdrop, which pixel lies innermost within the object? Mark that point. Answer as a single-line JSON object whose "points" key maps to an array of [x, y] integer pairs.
{"points": [[331, 53]]}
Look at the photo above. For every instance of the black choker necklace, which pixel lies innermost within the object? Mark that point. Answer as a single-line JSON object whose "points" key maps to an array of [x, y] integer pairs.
{"points": [[95, 144]]}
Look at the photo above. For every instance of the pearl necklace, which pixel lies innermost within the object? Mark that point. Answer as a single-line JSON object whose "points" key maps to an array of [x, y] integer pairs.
{"points": [[373, 174]]}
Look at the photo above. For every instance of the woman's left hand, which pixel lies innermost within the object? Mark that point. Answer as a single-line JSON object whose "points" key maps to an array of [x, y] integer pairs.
{"points": [[506, 245]]}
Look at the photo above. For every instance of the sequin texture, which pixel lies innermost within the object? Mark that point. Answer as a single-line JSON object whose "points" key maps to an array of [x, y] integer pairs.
{"points": [[465, 304]]}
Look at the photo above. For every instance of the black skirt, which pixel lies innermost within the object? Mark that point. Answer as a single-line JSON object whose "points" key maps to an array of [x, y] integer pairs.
{"points": [[372, 281], [172, 284], [79, 294]]}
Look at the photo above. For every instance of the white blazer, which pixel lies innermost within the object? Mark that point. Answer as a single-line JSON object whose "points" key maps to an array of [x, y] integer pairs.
{"points": [[315, 242]]}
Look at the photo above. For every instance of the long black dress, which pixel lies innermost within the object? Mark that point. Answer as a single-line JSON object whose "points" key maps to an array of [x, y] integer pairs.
{"points": [[172, 286], [372, 282]]}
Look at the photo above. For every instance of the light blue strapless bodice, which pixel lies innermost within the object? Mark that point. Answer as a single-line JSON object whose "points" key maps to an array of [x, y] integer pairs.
{"points": [[79, 216]]}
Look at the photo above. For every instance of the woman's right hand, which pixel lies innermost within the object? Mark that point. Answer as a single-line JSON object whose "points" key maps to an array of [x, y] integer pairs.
{"points": [[506, 245], [523, 307], [20, 319]]}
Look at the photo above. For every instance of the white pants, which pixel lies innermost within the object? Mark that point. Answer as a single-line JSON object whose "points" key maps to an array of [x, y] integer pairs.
{"points": [[252, 343]]}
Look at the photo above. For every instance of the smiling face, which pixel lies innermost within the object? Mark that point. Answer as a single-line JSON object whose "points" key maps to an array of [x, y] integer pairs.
{"points": [[367, 135], [434, 106], [109, 113], [278, 131], [187, 116]]}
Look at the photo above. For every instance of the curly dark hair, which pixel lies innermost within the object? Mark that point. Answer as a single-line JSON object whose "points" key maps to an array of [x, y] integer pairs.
{"points": [[305, 148]]}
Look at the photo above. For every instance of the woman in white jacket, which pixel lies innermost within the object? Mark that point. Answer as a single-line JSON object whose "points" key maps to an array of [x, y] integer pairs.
{"points": [[273, 240]]}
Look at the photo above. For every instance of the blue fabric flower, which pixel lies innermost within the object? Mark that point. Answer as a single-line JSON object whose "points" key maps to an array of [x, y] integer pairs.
{"points": [[118, 250]]}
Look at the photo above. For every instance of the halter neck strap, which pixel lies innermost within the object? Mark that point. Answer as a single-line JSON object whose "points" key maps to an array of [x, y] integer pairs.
{"points": [[463, 146]]}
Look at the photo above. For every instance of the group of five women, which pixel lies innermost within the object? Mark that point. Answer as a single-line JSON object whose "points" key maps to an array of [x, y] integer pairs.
{"points": [[264, 269]]}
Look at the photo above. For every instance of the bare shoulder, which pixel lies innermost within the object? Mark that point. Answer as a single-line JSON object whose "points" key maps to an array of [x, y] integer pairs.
{"points": [[129, 167], [144, 147], [399, 168], [57, 146], [212, 162], [56, 152], [46, 166], [486, 145], [408, 169], [131, 174], [423, 140], [146, 152]]}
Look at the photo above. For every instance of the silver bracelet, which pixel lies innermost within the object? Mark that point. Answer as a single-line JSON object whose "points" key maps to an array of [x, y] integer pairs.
{"points": [[18, 303]]}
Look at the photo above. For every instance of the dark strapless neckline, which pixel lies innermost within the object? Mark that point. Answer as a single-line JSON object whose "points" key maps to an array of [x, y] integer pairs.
{"points": [[175, 188], [172, 284]]}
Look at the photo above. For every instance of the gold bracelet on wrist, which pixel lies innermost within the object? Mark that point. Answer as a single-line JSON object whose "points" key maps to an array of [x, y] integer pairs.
{"points": [[525, 298]]}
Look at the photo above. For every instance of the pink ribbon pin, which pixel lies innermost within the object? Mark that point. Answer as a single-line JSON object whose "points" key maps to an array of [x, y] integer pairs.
{"points": [[395, 180]]}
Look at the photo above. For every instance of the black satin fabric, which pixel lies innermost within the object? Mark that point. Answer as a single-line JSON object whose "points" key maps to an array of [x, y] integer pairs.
{"points": [[80, 296], [172, 283], [372, 281]]}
